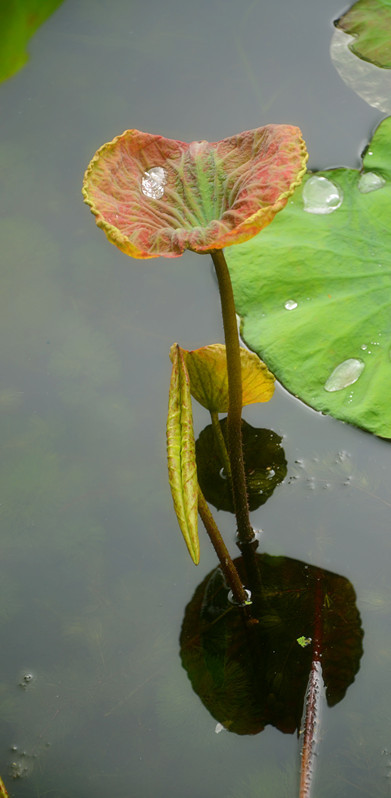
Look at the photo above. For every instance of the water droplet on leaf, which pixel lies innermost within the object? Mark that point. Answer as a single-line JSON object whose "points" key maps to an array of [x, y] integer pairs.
{"points": [[153, 182], [321, 196], [290, 304], [370, 181], [344, 374]]}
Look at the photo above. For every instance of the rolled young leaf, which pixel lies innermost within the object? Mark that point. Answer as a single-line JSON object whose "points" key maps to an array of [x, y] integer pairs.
{"points": [[182, 469]]}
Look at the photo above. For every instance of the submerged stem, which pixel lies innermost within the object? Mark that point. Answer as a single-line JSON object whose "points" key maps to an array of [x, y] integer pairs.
{"points": [[219, 438], [234, 419]]}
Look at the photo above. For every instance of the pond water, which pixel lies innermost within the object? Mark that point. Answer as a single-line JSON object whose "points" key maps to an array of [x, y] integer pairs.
{"points": [[94, 576]]}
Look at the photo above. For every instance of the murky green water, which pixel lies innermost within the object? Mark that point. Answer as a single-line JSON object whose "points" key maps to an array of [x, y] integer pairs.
{"points": [[94, 577]]}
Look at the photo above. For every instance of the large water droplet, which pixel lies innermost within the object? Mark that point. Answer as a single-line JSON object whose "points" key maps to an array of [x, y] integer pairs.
{"points": [[290, 304], [344, 374], [153, 182], [320, 195], [370, 181]]}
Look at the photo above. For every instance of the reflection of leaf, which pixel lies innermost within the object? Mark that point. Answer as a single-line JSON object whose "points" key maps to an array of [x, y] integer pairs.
{"points": [[319, 312], [18, 22], [182, 468], [207, 369], [247, 682], [265, 466], [370, 82], [369, 21]]}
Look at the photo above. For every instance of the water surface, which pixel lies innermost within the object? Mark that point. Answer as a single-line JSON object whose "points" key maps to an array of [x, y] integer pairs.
{"points": [[94, 577]]}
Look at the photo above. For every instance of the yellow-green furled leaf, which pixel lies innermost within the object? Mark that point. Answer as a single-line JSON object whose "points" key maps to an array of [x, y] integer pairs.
{"points": [[3, 791], [182, 469], [207, 369]]}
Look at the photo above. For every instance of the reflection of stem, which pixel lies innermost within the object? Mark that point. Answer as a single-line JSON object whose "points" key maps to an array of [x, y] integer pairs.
{"points": [[226, 563], [311, 729], [312, 701], [219, 438], [234, 419]]}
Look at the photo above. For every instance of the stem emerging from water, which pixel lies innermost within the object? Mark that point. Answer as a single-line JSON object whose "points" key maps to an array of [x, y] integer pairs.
{"points": [[234, 419], [226, 563]]}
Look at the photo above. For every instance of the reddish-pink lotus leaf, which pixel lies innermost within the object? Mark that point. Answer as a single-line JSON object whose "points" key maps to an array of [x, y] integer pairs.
{"points": [[156, 196]]}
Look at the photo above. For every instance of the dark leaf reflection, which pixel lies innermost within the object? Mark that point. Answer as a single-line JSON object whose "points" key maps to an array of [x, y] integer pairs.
{"points": [[265, 466], [249, 676]]}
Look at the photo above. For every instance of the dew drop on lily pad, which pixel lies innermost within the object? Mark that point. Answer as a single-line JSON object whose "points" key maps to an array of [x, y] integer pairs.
{"points": [[153, 182], [290, 304], [344, 374], [370, 181], [321, 196]]}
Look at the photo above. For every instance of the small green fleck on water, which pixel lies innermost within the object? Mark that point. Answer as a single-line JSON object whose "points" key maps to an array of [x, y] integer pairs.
{"points": [[304, 641]]}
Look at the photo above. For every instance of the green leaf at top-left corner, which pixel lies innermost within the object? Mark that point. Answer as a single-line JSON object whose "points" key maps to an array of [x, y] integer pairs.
{"points": [[19, 19]]}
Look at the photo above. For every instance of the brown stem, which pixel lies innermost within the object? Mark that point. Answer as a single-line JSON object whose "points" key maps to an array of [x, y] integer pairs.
{"points": [[234, 419], [226, 563]]}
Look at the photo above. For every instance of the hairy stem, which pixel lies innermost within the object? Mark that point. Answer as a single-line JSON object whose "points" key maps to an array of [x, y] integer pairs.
{"points": [[234, 419]]}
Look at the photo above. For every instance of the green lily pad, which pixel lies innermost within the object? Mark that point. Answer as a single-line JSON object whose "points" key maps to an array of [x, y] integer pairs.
{"points": [[19, 19], [314, 290], [369, 21]]}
